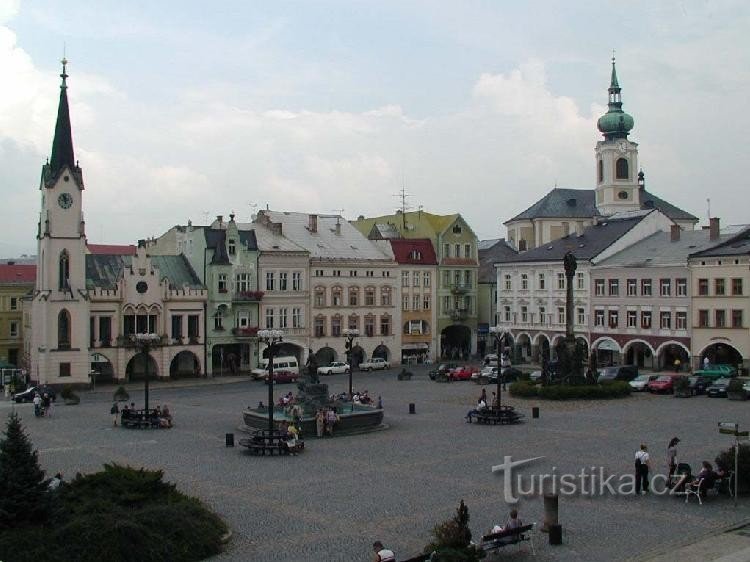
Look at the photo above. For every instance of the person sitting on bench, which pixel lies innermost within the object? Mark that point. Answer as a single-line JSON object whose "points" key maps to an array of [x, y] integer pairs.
{"points": [[513, 522], [481, 405], [705, 478]]}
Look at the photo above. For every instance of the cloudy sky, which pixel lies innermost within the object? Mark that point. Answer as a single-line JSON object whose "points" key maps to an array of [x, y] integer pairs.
{"points": [[185, 109]]}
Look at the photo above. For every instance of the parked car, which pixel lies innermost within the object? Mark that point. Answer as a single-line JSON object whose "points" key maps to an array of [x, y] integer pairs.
{"points": [[28, 394], [463, 373], [282, 377], [663, 383], [335, 368], [618, 373], [442, 369], [374, 364], [717, 371], [718, 388], [746, 386], [510, 374], [640, 383], [698, 384]]}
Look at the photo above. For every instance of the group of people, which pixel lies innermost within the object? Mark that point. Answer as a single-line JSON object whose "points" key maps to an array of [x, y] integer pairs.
{"points": [[43, 405], [160, 415], [325, 421], [481, 405]]}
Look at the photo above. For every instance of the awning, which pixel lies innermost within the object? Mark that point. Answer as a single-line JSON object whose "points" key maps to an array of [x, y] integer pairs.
{"points": [[415, 346]]}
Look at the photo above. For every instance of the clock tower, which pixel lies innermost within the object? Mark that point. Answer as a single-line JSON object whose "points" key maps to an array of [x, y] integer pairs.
{"points": [[60, 307], [616, 157]]}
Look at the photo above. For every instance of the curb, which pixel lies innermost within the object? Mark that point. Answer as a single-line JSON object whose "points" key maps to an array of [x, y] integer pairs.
{"points": [[159, 385]]}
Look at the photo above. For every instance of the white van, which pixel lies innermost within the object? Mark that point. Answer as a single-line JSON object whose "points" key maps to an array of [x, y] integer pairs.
{"points": [[284, 363]]}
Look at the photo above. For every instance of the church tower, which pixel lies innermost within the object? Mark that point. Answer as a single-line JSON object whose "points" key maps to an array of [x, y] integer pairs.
{"points": [[616, 157], [60, 307]]}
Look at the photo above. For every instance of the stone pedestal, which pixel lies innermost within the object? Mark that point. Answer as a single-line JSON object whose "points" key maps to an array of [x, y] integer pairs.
{"points": [[312, 396]]}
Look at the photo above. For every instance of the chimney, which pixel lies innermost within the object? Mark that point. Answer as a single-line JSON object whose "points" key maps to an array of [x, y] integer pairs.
{"points": [[338, 227], [313, 223], [674, 233], [713, 228]]}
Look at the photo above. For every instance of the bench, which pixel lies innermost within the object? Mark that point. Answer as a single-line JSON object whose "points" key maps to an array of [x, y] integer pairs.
{"points": [[262, 442], [505, 415], [140, 419], [517, 536]]}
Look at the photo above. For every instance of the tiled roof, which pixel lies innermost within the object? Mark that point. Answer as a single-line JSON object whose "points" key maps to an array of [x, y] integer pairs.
{"points": [[112, 249], [403, 248], [268, 241], [737, 245], [17, 273], [587, 245], [419, 224], [488, 255], [104, 270], [581, 203]]}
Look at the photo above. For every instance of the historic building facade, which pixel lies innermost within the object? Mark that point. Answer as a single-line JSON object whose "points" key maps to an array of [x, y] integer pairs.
{"points": [[16, 282]]}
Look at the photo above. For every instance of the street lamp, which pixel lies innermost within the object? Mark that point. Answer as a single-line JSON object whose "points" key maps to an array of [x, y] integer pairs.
{"points": [[145, 342], [499, 334], [271, 338], [350, 334]]}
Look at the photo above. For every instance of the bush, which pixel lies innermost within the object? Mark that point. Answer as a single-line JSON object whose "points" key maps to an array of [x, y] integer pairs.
{"points": [[725, 462], [681, 383], [67, 392], [121, 395], [614, 389], [452, 540]]}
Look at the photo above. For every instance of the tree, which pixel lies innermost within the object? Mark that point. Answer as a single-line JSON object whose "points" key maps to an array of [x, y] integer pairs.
{"points": [[23, 487], [452, 539]]}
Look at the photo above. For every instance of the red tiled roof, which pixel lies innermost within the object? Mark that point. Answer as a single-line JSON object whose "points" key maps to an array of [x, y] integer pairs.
{"points": [[25, 273], [112, 249], [403, 247]]}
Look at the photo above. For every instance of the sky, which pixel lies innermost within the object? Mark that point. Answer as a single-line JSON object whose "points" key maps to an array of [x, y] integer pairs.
{"points": [[184, 110]]}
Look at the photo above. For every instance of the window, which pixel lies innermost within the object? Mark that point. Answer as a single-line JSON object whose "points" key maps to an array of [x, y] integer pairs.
{"points": [[336, 326], [404, 302], [14, 301], [353, 296], [665, 287], [721, 318], [446, 304], [458, 250], [736, 318], [457, 229], [414, 255], [14, 328], [413, 327], [599, 287], [467, 279], [385, 296], [354, 322], [632, 319], [681, 287], [352, 273], [415, 278], [426, 302], [320, 327], [222, 282], [561, 281], [63, 270], [296, 281], [524, 314], [467, 251], [318, 273], [632, 285], [703, 287], [599, 317], [524, 282], [645, 287], [369, 296], [508, 283], [541, 281], [63, 330], [580, 280], [621, 169], [506, 313], [719, 287], [105, 330], [242, 282], [665, 320], [614, 287], [336, 296], [283, 313], [296, 317], [219, 319], [680, 320], [282, 281], [64, 369], [336, 273], [581, 316], [176, 326], [128, 324], [320, 296], [416, 302], [736, 289], [385, 325], [243, 321], [231, 247], [270, 283], [614, 319], [426, 279], [446, 279], [561, 315], [646, 319], [600, 167], [446, 250], [369, 326], [542, 314], [404, 278], [269, 318], [703, 318]]}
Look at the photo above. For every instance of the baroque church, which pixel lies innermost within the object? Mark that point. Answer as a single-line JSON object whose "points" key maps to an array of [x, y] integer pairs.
{"points": [[90, 299], [618, 188]]}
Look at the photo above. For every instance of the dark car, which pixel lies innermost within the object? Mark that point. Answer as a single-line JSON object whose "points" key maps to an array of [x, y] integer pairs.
{"points": [[282, 377], [510, 374], [698, 384], [28, 394], [718, 388], [442, 369], [618, 373]]}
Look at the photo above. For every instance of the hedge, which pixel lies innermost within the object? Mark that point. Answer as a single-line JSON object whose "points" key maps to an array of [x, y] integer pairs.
{"points": [[617, 389]]}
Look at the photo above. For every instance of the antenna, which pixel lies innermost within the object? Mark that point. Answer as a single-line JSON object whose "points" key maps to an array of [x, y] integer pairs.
{"points": [[708, 205], [339, 214], [205, 217], [404, 207]]}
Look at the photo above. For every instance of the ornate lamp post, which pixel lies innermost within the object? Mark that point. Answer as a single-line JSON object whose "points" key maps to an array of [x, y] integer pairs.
{"points": [[499, 334], [350, 334], [272, 338], [144, 343]]}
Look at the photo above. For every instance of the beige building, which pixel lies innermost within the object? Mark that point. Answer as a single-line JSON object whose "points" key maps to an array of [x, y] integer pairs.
{"points": [[16, 282]]}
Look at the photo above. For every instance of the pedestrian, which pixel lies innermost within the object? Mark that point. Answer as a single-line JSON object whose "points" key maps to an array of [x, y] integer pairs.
{"points": [[50, 408], [114, 410], [320, 422], [672, 456], [46, 401], [37, 405], [706, 362], [677, 364], [483, 396], [382, 554], [54, 484], [642, 464]]}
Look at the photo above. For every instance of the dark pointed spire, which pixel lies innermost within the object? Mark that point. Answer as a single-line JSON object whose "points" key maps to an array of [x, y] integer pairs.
{"points": [[62, 145], [613, 84]]}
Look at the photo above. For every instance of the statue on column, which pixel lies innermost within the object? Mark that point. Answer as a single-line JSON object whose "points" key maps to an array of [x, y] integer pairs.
{"points": [[311, 368], [570, 264]]}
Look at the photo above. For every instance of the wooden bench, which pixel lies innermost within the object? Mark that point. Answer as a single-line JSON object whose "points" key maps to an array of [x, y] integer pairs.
{"points": [[262, 442], [505, 415], [140, 419], [517, 536]]}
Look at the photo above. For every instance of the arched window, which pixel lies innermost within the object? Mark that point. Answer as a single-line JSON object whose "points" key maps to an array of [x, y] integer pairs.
{"points": [[64, 270], [63, 329], [621, 169], [601, 171]]}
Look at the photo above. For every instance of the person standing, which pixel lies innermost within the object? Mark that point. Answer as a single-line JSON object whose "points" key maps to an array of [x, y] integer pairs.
{"points": [[642, 464], [672, 456], [37, 405], [115, 411], [382, 554], [320, 422], [706, 362]]}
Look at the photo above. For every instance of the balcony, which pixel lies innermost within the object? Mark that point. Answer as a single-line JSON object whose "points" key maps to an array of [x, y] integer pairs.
{"points": [[459, 314], [249, 332], [460, 288], [248, 296]]}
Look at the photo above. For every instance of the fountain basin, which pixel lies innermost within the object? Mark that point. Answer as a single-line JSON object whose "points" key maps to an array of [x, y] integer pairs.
{"points": [[361, 419]]}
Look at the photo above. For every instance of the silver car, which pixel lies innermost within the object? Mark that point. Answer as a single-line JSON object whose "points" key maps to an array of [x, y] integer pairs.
{"points": [[640, 383]]}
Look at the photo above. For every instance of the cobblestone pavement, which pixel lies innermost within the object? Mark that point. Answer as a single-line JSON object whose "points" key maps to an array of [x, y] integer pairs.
{"points": [[333, 501]]}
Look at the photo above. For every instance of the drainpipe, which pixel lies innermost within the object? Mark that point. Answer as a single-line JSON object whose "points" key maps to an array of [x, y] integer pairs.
{"points": [[205, 318]]}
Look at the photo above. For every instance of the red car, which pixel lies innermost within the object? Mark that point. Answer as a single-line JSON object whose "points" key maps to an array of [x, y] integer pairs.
{"points": [[663, 383], [281, 377], [463, 373]]}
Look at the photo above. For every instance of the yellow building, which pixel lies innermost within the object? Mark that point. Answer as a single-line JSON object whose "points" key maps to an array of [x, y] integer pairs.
{"points": [[16, 280]]}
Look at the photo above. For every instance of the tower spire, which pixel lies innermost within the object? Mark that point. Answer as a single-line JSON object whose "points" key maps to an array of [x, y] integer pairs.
{"points": [[615, 124], [613, 84], [62, 145]]}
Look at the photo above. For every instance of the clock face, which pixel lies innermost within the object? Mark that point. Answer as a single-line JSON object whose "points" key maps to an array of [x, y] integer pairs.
{"points": [[65, 200]]}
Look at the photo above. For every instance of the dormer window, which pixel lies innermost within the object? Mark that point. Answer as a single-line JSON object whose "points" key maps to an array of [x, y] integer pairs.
{"points": [[415, 255], [231, 247], [622, 169], [457, 229]]}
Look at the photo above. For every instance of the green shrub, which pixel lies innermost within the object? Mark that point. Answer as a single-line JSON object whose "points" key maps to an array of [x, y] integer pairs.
{"points": [[725, 462], [614, 389], [121, 394], [523, 389], [452, 539], [681, 383]]}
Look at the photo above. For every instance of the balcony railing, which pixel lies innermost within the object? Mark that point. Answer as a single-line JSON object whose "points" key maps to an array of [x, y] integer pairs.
{"points": [[459, 313], [249, 332], [248, 296], [460, 288]]}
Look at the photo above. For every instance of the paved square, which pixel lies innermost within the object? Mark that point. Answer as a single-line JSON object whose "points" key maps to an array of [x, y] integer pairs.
{"points": [[333, 501]]}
